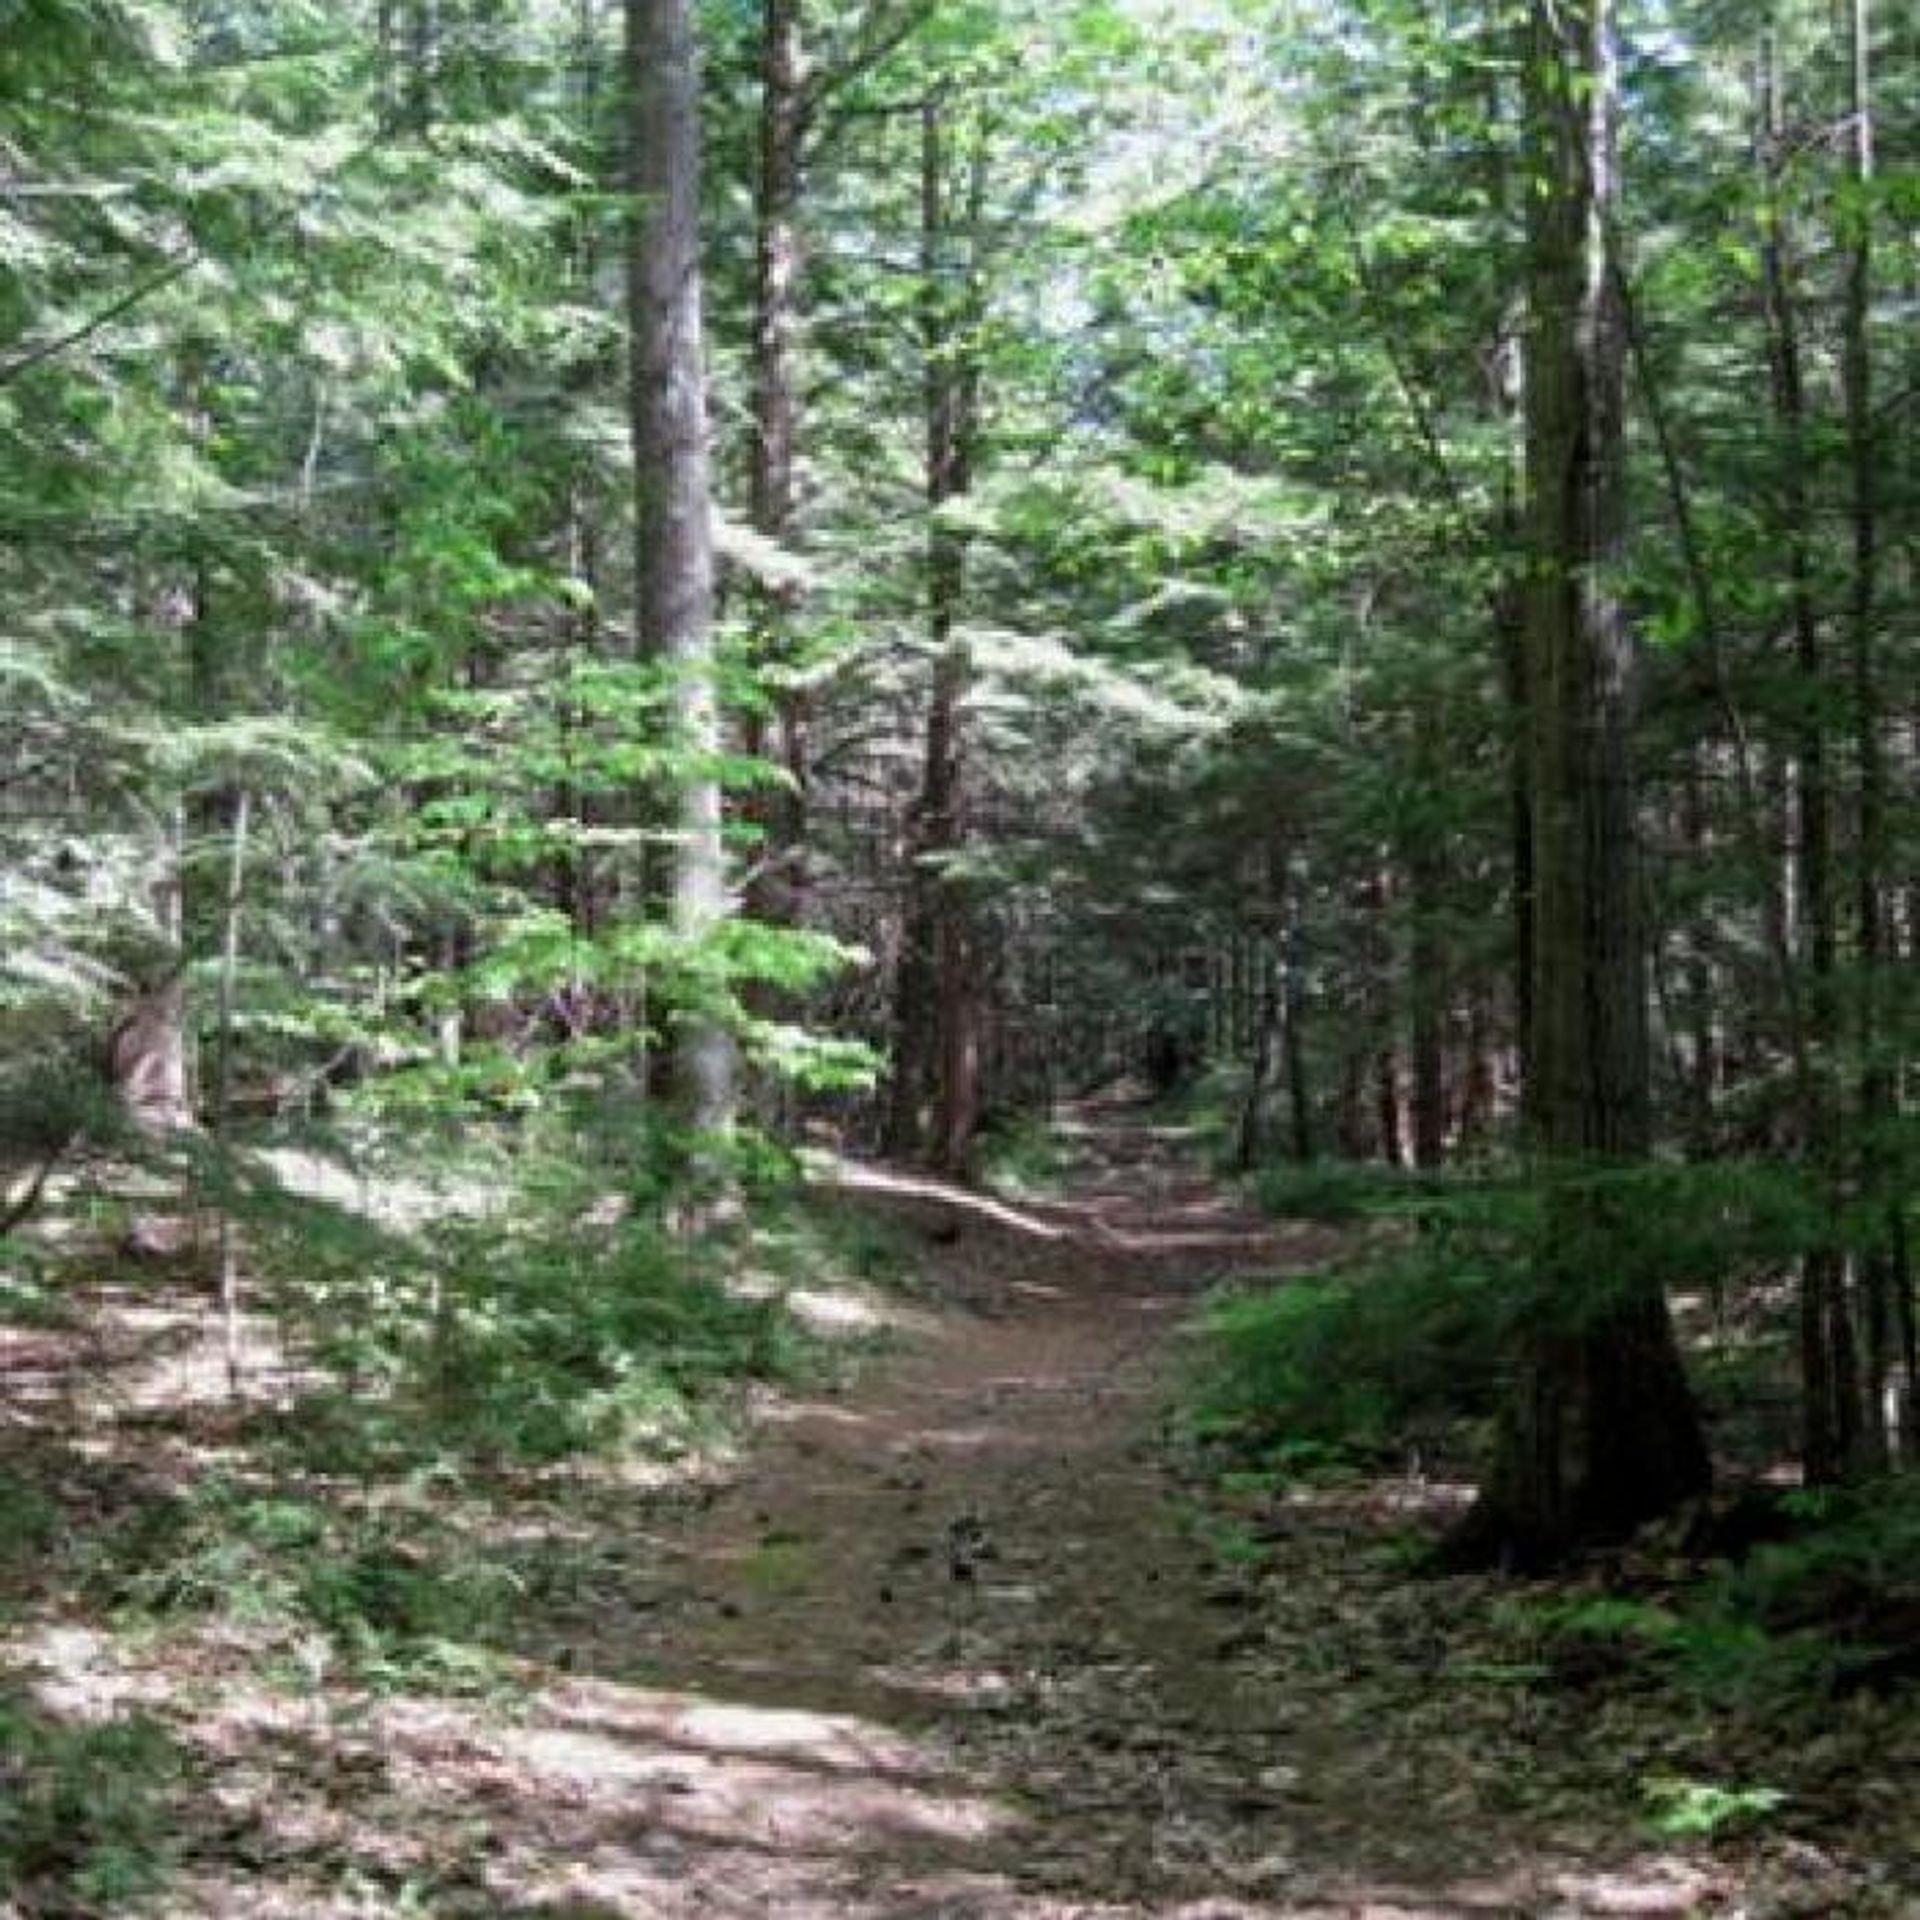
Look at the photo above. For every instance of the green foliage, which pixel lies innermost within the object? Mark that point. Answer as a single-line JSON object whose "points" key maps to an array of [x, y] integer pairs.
{"points": [[1337, 1191], [1833, 1608], [508, 1344], [545, 1347], [1020, 1155], [86, 1811], [1352, 1362], [1839, 1600], [810, 1237], [397, 1596], [1698, 1809]]}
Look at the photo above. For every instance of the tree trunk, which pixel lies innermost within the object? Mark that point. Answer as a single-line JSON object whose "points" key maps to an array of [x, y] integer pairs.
{"points": [[1829, 1393], [1427, 985], [1293, 1003], [779, 893], [936, 1013], [1877, 1088], [147, 1059], [1601, 1433], [673, 523], [1250, 1148]]}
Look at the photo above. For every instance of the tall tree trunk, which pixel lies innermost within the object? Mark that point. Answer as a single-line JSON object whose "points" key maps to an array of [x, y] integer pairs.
{"points": [[1269, 1029], [779, 892], [1427, 983], [1829, 1394], [1294, 1042], [1878, 1091], [936, 1049], [1601, 1433], [673, 518], [1510, 631], [1703, 1076]]}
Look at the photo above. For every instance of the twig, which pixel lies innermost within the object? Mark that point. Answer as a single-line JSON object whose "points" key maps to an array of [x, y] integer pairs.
{"points": [[157, 282]]}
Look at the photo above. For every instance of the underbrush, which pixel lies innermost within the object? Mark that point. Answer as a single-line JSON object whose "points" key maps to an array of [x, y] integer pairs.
{"points": [[401, 1594], [472, 1388], [553, 1316], [526, 1347], [1353, 1364], [1020, 1157], [1419, 1327], [1775, 1608], [1336, 1191], [85, 1809], [1826, 1609]]}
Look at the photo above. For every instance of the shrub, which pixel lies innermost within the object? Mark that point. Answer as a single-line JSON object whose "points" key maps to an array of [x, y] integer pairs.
{"points": [[1019, 1155], [1338, 1190], [1351, 1362], [84, 1810]]}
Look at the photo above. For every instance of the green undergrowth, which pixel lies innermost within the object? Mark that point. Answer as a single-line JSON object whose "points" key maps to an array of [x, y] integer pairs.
{"points": [[407, 1592], [531, 1345], [819, 1238], [1807, 1637], [558, 1317], [30, 1291], [1337, 1191], [1350, 1365], [1826, 1609], [1020, 1156], [1415, 1331], [1772, 1603], [488, 1341], [1205, 1107], [86, 1809]]}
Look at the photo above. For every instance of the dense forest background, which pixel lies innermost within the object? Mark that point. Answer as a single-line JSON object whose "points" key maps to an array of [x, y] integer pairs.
{"points": [[595, 599]]}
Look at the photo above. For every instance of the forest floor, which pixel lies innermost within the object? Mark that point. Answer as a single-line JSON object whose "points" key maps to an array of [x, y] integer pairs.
{"points": [[963, 1638]]}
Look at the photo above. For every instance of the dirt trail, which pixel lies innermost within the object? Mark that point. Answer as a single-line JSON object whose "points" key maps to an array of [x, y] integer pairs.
{"points": [[950, 1648]]}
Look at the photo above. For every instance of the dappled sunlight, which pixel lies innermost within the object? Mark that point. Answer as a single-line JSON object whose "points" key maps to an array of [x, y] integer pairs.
{"points": [[1134, 1201], [889, 1183], [838, 1313], [791, 1413], [80, 1673], [960, 1439], [1380, 1502], [381, 1196]]}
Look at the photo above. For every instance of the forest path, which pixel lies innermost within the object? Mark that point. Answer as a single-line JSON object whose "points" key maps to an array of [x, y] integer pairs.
{"points": [[955, 1640], [955, 1643]]}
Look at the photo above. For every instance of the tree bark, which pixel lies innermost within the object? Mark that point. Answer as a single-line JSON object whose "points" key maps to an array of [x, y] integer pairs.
{"points": [[1425, 857], [1601, 1433], [1829, 1393], [1878, 1091], [779, 893], [935, 1095], [673, 521]]}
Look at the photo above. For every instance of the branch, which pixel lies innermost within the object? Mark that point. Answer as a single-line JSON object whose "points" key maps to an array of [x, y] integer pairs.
{"points": [[881, 35], [161, 278], [1699, 572], [19, 1211], [156, 282], [1412, 396], [885, 36]]}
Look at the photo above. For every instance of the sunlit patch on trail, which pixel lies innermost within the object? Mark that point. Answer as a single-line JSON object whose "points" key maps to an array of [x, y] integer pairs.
{"points": [[860, 1177]]}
